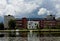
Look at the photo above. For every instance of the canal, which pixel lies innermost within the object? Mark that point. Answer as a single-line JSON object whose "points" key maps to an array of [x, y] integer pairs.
{"points": [[29, 36]]}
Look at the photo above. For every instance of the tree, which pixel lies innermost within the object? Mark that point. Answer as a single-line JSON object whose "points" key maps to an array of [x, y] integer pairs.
{"points": [[12, 24], [1, 26]]}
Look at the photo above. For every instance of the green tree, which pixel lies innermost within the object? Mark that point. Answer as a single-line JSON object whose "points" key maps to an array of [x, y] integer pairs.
{"points": [[12, 24], [1, 26]]}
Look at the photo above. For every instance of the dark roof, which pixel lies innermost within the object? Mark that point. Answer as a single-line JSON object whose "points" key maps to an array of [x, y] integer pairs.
{"points": [[35, 19], [18, 19]]}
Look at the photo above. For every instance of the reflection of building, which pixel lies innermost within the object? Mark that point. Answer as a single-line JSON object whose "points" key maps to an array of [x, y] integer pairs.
{"points": [[6, 20], [33, 23]]}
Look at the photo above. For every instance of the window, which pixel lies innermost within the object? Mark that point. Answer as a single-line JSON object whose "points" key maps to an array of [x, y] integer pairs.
{"points": [[35, 23], [29, 23]]}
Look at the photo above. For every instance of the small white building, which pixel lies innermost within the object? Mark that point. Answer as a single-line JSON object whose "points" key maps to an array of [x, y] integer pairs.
{"points": [[33, 24]]}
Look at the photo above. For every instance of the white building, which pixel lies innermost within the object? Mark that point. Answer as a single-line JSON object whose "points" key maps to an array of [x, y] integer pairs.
{"points": [[7, 18], [33, 24]]}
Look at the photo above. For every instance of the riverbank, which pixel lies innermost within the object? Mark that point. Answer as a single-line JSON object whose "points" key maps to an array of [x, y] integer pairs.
{"points": [[45, 30]]}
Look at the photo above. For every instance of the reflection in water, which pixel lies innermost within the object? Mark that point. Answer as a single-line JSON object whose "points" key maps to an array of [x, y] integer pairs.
{"points": [[31, 36], [26, 39], [17, 33]]}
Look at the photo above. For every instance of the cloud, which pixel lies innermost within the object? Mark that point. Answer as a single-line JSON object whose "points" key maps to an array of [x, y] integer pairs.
{"points": [[57, 10], [57, 7], [17, 7], [38, 2], [53, 6], [43, 11], [26, 7], [56, 4]]}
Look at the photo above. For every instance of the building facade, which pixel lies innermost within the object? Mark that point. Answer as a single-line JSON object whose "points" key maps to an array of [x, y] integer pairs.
{"points": [[7, 18], [33, 23], [48, 23], [21, 23]]}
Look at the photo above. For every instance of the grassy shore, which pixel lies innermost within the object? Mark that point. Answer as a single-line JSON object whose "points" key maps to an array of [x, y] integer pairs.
{"points": [[34, 30]]}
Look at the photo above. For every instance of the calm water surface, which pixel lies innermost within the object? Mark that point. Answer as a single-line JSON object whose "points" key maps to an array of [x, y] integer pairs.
{"points": [[30, 36]]}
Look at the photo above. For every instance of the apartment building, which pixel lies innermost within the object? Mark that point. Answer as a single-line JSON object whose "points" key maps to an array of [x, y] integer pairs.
{"points": [[33, 23], [7, 18]]}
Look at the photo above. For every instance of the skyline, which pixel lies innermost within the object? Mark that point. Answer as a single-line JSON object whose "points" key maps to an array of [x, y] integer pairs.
{"points": [[29, 8]]}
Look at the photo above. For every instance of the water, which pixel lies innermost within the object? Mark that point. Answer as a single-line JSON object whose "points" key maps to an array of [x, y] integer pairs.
{"points": [[30, 36]]}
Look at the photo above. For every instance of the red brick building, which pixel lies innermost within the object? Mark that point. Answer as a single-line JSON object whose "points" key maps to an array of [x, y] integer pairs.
{"points": [[48, 23], [43, 23], [24, 23], [21, 23]]}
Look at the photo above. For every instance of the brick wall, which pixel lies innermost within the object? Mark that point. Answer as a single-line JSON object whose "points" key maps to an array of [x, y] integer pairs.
{"points": [[24, 23]]}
